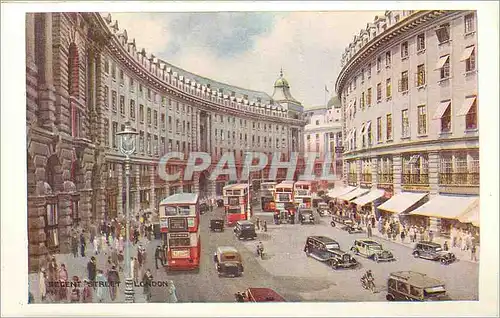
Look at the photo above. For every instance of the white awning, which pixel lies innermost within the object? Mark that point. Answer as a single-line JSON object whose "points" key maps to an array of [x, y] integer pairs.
{"points": [[441, 109], [336, 192], [441, 61], [467, 53], [402, 202], [472, 216], [469, 101], [446, 207], [369, 197], [353, 194]]}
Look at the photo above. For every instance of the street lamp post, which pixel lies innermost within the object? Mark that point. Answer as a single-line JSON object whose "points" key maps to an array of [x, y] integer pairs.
{"points": [[127, 147]]}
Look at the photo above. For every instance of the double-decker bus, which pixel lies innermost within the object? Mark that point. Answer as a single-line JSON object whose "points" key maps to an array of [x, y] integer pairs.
{"points": [[302, 194], [267, 190], [237, 200], [283, 197], [179, 224]]}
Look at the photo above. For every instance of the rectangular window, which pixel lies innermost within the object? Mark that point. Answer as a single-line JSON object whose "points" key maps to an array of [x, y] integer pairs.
{"points": [[149, 93], [106, 66], [106, 132], [113, 100], [369, 70], [148, 116], [470, 61], [420, 75], [169, 123], [131, 84], [388, 127], [469, 23], [362, 74], [155, 118], [51, 226], [106, 96], [379, 63], [388, 90], [422, 120], [403, 82], [404, 50], [155, 145], [162, 120], [379, 92], [132, 109], [162, 145], [363, 100], [141, 113], [388, 58], [379, 129], [122, 104], [113, 71], [148, 144], [443, 33], [122, 77], [445, 69], [421, 42], [369, 97], [114, 137], [405, 124], [471, 117], [446, 120], [369, 132]]}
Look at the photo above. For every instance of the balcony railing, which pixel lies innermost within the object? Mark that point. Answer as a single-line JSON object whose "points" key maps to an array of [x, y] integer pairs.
{"points": [[385, 178], [415, 178], [366, 177], [459, 178]]}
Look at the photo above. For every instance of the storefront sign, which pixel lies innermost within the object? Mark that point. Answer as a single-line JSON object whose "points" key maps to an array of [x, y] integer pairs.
{"points": [[416, 188], [460, 190]]}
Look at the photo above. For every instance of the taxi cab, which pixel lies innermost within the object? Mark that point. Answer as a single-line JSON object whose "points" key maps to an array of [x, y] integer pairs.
{"points": [[228, 261]]}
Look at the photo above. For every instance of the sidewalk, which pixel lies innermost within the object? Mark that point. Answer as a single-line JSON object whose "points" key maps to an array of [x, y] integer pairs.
{"points": [[78, 266], [461, 255]]}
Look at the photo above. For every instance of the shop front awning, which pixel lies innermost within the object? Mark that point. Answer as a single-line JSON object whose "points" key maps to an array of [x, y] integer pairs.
{"points": [[472, 216], [467, 53], [469, 101], [442, 60], [446, 206], [353, 194], [443, 106], [336, 192], [369, 197], [401, 202]]}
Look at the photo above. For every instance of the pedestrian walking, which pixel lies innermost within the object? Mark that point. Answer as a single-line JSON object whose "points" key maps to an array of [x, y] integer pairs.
{"points": [[431, 235], [120, 261], [42, 284], [111, 240], [147, 279], [403, 235], [114, 281], [53, 273], [158, 256], [121, 244], [445, 246], [83, 244], [74, 246], [257, 224], [265, 226], [92, 269], [134, 268], [369, 231], [75, 290], [86, 292], [96, 245], [139, 256], [473, 253], [63, 279], [104, 244], [172, 292], [114, 256], [101, 286]]}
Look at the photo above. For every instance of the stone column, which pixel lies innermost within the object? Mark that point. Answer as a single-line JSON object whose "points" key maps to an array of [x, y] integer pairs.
{"points": [[119, 202], [434, 172], [46, 89], [31, 70], [152, 196], [64, 222], [396, 172], [36, 233]]}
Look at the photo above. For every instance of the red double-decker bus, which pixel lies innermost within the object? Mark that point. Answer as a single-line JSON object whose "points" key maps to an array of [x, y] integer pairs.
{"points": [[179, 220], [302, 194], [237, 198], [267, 190]]}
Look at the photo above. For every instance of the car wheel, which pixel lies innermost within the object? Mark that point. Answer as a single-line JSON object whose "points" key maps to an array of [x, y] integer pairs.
{"points": [[416, 254], [389, 297], [375, 258], [444, 262], [332, 224], [350, 232], [333, 264]]}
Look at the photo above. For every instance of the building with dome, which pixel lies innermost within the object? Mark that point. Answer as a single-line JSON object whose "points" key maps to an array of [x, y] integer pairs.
{"points": [[409, 96], [85, 79]]}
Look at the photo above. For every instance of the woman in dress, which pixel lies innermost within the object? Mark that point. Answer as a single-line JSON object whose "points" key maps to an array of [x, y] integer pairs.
{"points": [[63, 279]]}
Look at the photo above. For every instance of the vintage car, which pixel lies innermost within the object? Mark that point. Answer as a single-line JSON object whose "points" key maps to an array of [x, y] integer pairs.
{"points": [[433, 251], [260, 294], [245, 230], [341, 220], [323, 209], [306, 216], [204, 208], [228, 261], [352, 228], [327, 250], [217, 225], [414, 286], [372, 250]]}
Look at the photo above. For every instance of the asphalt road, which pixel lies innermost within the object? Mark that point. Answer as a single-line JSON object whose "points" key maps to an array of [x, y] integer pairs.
{"points": [[287, 270]]}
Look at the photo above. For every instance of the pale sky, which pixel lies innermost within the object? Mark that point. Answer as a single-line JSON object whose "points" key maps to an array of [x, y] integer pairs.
{"points": [[247, 49]]}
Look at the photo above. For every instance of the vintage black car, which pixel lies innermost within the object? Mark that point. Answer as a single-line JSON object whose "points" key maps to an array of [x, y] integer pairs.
{"points": [[352, 228], [433, 251], [372, 250], [306, 216], [228, 261], [245, 230], [414, 286], [327, 250], [323, 209], [217, 225], [341, 219], [204, 208]]}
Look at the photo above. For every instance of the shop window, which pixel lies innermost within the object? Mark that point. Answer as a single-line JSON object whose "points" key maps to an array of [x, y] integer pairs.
{"points": [[51, 223]]}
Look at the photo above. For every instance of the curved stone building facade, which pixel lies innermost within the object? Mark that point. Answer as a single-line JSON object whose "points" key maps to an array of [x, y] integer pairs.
{"points": [[85, 79], [408, 88]]}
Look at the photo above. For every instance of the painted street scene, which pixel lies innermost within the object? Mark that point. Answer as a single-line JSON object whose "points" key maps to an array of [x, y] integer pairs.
{"points": [[252, 156]]}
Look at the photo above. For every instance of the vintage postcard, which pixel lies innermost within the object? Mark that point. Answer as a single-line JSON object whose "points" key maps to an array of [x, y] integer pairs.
{"points": [[209, 157]]}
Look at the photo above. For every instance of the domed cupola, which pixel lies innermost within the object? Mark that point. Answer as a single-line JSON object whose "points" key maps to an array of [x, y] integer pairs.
{"points": [[282, 90]]}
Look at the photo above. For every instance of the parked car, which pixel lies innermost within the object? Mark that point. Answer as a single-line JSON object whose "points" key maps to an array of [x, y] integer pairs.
{"points": [[306, 216], [372, 250], [260, 294], [341, 220], [352, 228], [245, 230], [327, 250], [433, 251], [414, 286], [323, 209], [228, 261], [217, 225]]}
